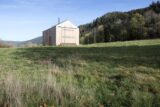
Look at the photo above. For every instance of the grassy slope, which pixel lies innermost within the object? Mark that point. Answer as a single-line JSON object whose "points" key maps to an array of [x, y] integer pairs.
{"points": [[128, 43], [114, 74]]}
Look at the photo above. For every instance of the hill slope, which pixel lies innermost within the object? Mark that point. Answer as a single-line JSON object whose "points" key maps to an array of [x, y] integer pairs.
{"points": [[115, 74], [10, 43], [122, 26], [37, 41]]}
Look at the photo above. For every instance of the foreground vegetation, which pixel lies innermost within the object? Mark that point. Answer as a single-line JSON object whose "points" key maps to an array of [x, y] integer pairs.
{"points": [[120, 74]]}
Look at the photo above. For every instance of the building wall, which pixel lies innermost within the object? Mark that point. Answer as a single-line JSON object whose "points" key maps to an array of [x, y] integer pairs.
{"points": [[49, 36], [66, 35], [53, 34]]}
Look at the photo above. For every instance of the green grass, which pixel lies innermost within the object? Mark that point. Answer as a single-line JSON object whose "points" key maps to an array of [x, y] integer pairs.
{"points": [[128, 43], [119, 74]]}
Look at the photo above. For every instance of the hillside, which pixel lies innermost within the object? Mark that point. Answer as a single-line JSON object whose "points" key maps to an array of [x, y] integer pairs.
{"points": [[10, 43], [36, 41], [123, 26], [117, 74]]}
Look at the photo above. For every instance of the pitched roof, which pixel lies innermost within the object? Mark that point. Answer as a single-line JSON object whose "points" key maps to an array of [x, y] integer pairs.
{"points": [[67, 22], [62, 24]]}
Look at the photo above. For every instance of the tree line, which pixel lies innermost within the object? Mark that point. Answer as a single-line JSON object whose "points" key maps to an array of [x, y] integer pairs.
{"points": [[123, 26], [4, 46]]}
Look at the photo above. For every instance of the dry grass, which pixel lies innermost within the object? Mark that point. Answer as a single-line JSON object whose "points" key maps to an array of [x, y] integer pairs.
{"points": [[12, 92], [51, 90], [80, 77]]}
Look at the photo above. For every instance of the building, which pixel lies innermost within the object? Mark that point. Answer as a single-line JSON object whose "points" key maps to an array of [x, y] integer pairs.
{"points": [[61, 34]]}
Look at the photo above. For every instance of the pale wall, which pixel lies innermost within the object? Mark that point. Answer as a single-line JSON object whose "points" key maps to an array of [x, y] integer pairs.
{"points": [[67, 35], [64, 33]]}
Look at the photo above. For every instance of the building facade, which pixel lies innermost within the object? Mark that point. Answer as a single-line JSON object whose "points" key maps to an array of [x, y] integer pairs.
{"points": [[61, 34]]}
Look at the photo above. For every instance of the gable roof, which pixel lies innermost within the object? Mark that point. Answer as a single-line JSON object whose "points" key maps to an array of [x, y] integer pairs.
{"points": [[66, 23]]}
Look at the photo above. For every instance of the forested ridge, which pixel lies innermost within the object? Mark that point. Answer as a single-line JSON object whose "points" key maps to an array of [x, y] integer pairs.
{"points": [[123, 26]]}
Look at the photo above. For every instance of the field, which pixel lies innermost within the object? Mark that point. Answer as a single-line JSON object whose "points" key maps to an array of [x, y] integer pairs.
{"points": [[118, 74]]}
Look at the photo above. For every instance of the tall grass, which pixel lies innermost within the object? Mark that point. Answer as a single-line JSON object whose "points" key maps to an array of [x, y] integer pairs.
{"points": [[12, 92], [125, 76], [56, 88]]}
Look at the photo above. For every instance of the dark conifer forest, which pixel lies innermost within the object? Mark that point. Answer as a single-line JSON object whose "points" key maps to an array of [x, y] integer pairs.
{"points": [[123, 26]]}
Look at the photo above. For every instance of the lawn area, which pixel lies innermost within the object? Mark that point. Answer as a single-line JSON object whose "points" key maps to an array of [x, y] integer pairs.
{"points": [[118, 74]]}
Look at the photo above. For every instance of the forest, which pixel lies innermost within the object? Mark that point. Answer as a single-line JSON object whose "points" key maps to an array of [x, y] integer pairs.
{"points": [[136, 24]]}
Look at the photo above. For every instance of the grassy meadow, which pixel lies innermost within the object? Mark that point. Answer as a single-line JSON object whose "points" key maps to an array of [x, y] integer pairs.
{"points": [[118, 74]]}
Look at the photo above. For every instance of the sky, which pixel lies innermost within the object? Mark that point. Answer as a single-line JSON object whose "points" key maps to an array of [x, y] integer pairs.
{"points": [[22, 20]]}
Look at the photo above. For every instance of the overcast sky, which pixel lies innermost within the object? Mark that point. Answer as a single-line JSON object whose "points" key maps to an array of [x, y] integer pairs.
{"points": [[26, 19]]}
